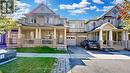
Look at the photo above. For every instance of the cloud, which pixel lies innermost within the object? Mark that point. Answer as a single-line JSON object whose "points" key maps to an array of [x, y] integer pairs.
{"points": [[22, 8], [117, 1], [82, 4], [105, 8], [55, 9], [49, 4], [40, 1], [98, 1], [90, 8], [77, 11]]}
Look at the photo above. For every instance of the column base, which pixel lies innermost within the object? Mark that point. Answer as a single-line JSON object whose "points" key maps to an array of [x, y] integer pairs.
{"points": [[101, 44]]}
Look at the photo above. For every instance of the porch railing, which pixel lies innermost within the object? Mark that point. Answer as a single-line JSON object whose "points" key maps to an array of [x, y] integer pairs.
{"points": [[115, 44], [38, 41]]}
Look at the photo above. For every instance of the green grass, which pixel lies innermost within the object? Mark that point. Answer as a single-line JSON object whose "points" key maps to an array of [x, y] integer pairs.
{"points": [[29, 65], [39, 50]]}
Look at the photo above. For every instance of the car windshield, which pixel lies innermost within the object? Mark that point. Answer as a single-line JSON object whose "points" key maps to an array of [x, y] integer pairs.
{"points": [[92, 42]]}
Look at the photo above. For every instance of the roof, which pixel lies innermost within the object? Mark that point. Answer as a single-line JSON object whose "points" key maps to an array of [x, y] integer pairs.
{"points": [[42, 9], [103, 14], [38, 25]]}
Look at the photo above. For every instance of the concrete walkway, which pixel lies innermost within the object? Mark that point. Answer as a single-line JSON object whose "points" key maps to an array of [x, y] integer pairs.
{"points": [[87, 56]]}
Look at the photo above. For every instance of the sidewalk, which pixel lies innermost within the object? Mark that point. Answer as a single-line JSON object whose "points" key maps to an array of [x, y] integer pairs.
{"points": [[79, 56], [108, 56], [53, 55]]}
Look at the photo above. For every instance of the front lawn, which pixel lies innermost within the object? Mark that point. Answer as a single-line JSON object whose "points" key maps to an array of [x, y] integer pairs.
{"points": [[29, 65], [39, 50]]}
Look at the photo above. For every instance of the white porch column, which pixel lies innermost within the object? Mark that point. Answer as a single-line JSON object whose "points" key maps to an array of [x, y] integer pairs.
{"points": [[110, 35], [32, 35], [65, 42], [40, 36], [8, 38], [127, 38], [100, 35], [110, 39], [54, 39], [36, 33], [9, 34], [123, 36], [19, 37], [19, 32], [100, 38]]}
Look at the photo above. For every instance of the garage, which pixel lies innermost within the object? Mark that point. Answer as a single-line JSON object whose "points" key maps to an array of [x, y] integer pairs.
{"points": [[80, 39], [71, 40]]}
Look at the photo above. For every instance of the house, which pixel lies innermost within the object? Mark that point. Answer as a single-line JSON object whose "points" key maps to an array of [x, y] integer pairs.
{"points": [[43, 27], [76, 32], [108, 30], [40, 27]]}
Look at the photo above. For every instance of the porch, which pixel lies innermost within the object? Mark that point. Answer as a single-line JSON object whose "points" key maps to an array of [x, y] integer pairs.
{"points": [[110, 37], [54, 36]]}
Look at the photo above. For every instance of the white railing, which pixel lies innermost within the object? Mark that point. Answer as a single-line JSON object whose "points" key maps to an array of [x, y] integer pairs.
{"points": [[38, 41], [47, 41], [115, 44]]}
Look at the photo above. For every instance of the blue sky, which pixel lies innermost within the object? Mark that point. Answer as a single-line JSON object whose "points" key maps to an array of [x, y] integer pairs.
{"points": [[71, 9]]}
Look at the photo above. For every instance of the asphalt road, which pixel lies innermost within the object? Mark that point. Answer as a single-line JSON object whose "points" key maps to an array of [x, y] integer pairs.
{"points": [[100, 66]]}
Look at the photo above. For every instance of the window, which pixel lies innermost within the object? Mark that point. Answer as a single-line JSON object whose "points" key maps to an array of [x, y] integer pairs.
{"points": [[94, 24], [82, 25], [47, 19], [109, 20], [33, 20]]}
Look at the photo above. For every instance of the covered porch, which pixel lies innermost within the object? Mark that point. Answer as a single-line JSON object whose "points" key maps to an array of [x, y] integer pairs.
{"points": [[54, 36], [110, 37]]}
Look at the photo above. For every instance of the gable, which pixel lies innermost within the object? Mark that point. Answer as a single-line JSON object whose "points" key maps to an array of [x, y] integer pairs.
{"points": [[106, 26], [42, 9]]}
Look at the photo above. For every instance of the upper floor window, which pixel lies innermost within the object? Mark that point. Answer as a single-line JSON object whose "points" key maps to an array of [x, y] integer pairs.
{"points": [[47, 20], [33, 20], [109, 20], [94, 24], [82, 25]]}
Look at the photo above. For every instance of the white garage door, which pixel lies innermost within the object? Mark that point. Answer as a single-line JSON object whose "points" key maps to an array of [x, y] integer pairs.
{"points": [[71, 40]]}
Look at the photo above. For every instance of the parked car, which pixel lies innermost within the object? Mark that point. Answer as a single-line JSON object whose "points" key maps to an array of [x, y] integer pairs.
{"points": [[90, 44]]}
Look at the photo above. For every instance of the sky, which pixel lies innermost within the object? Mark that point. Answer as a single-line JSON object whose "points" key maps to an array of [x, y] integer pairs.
{"points": [[71, 9]]}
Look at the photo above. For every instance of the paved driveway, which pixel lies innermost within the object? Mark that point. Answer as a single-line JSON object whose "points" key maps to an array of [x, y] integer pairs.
{"points": [[101, 66], [76, 50]]}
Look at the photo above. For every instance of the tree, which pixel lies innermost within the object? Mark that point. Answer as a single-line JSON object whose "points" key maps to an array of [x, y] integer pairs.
{"points": [[6, 24], [124, 15], [126, 23], [7, 7]]}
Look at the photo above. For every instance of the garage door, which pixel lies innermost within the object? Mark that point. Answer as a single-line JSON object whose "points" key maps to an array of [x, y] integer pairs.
{"points": [[71, 40]]}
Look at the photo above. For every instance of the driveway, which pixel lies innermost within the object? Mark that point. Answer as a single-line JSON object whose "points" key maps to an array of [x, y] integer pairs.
{"points": [[101, 66], [76, 50]]}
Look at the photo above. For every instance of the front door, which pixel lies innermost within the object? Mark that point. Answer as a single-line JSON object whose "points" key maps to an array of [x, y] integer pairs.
{"points": [[105, 37]]}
